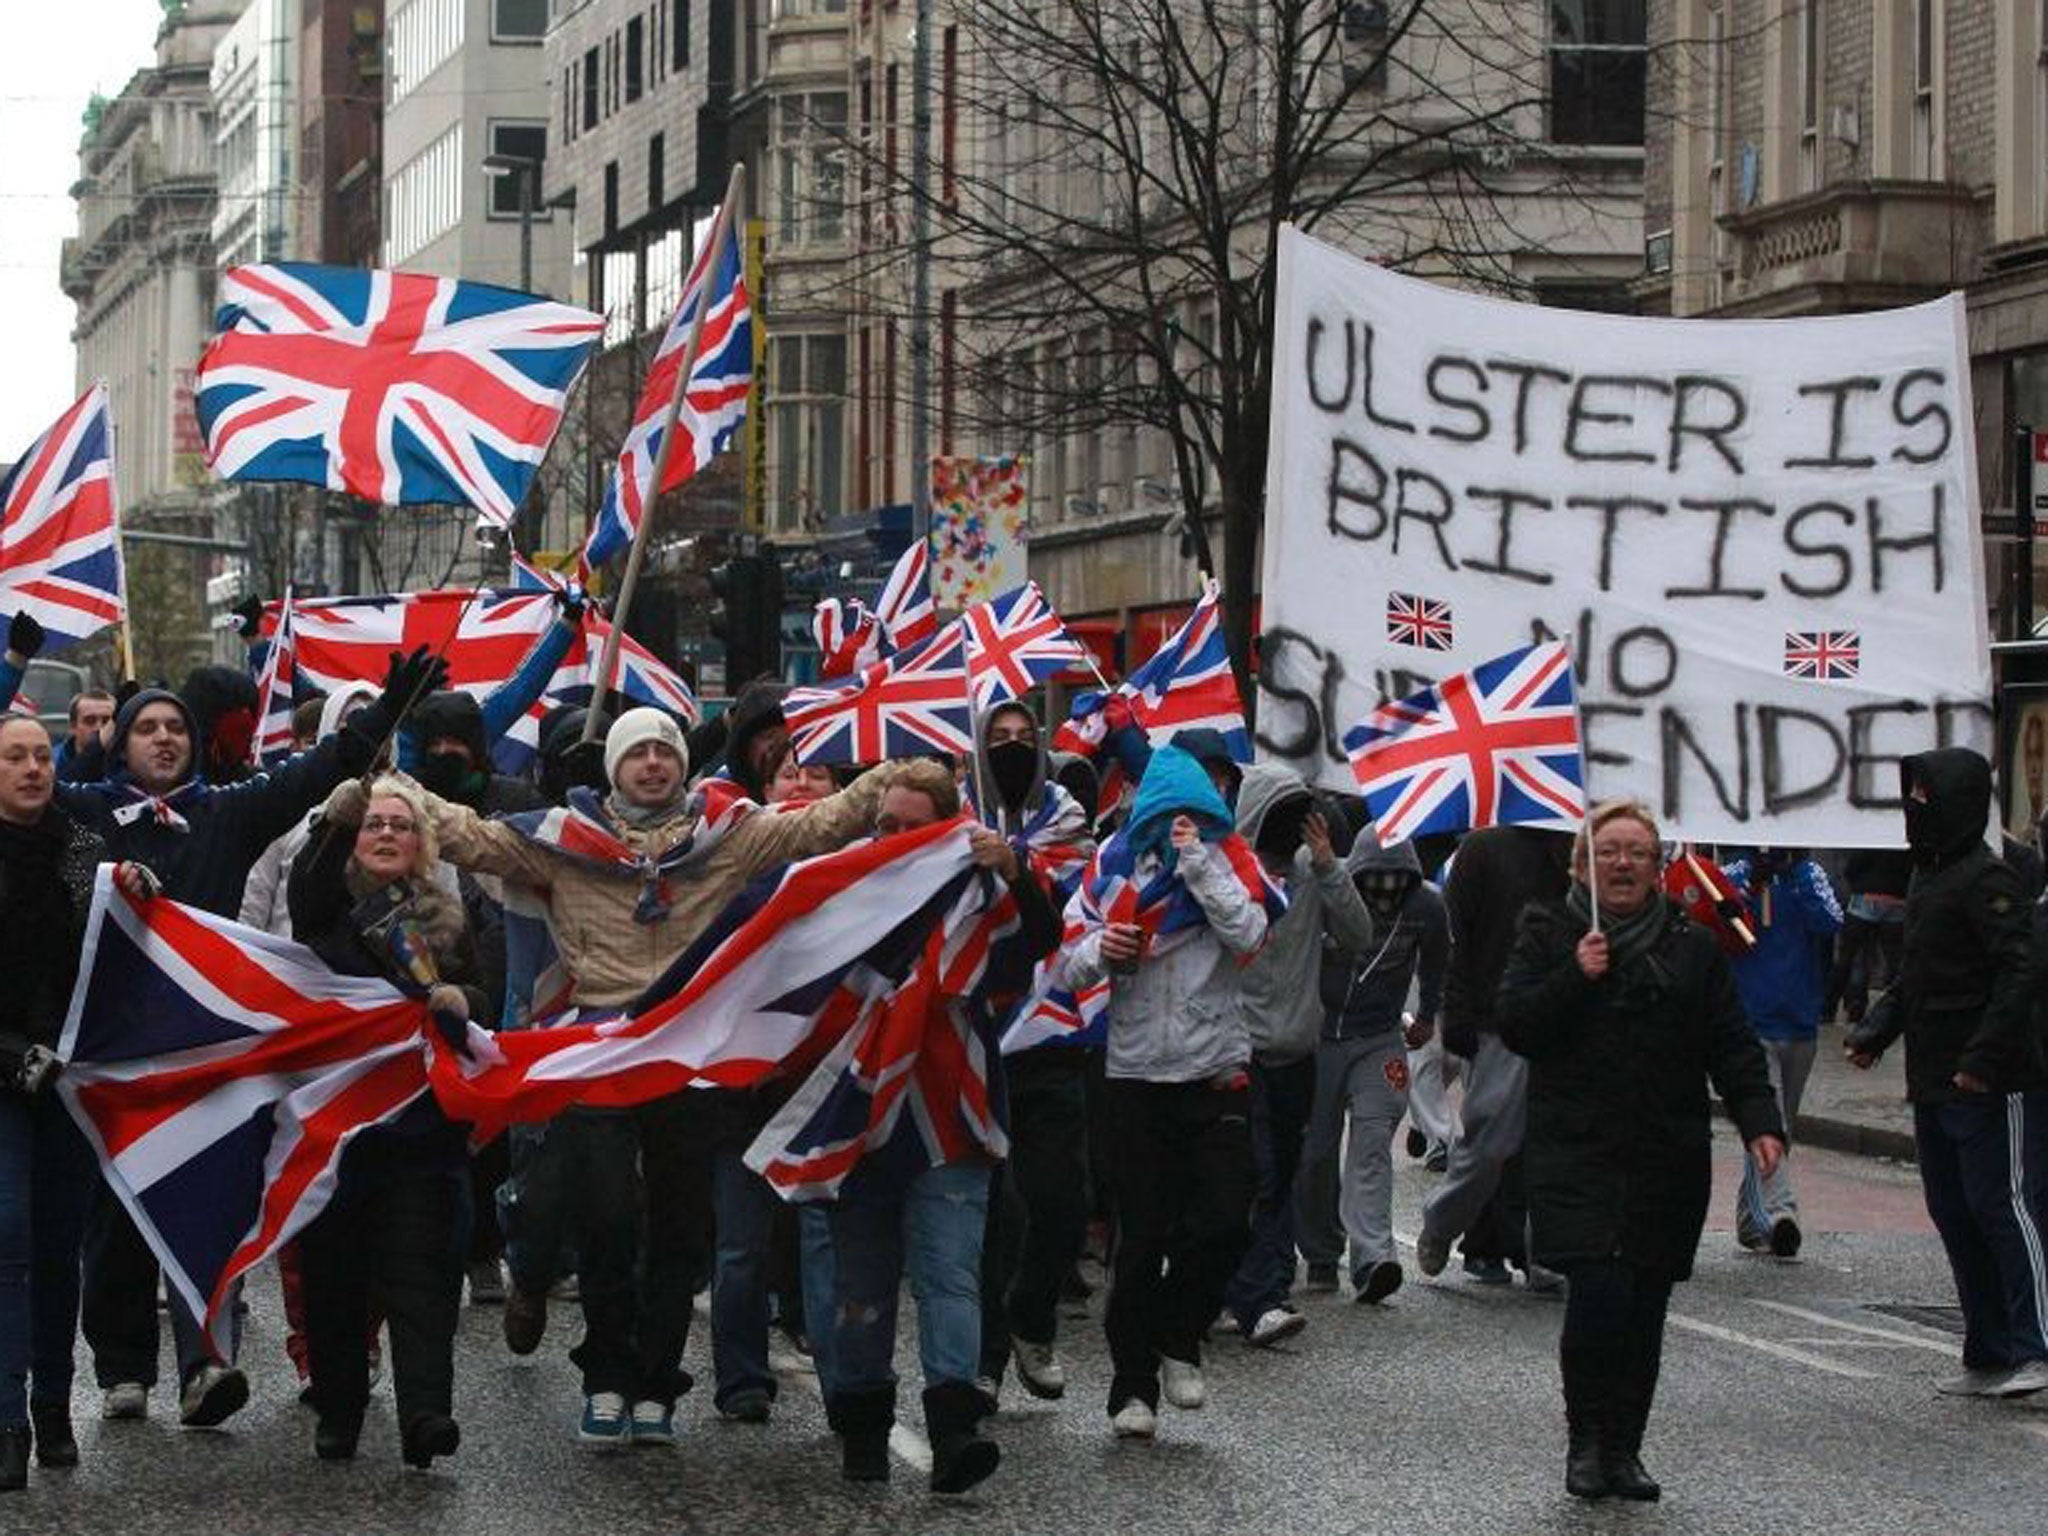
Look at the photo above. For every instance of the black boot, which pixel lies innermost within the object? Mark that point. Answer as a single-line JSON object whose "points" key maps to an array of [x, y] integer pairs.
{"points": [[1586, 1422], [334, 1439], [13, 1457], [1626, 1478], [55, 1446], [427, 1436], [863, 1420], [961, 1454]]}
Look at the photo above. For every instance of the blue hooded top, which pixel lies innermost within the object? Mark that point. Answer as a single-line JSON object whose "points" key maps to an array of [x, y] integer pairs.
{"points": [[1175, 784]]}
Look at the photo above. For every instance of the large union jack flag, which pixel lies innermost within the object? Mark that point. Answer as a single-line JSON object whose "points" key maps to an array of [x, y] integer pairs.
{"points": [[220, 1072], [396, 386], [1823, 655], [1184, 684], [905, 609], [848, 636], [60, 550], [1495, 746], [713, 408], [912, 703], [1015, 641], [483, 636]]}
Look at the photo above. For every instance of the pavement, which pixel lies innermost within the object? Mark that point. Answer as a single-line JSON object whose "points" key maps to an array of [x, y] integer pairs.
{"points": [[1850, 1109], [1796, 1397]]}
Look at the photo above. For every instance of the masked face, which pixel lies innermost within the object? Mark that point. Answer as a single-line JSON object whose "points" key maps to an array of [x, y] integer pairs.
{"points": [[1383, 888], [233, 733], [448, 775], [1013, 765]]}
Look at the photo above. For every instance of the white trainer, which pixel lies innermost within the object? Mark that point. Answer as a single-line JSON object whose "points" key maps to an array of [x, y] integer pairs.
{"points": [[1275, 1324], [1039, 1368], [1134, 1421], [1181, 1384]]}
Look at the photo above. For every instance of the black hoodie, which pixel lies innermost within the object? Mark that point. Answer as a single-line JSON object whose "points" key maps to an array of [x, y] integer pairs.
{"points": [[1963, 999]]}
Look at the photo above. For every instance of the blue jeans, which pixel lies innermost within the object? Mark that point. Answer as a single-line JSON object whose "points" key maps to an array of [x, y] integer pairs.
{"points": [[47, 1173], [1282, 1096], [820, 1276], [936, 1225], [743, 1205]]}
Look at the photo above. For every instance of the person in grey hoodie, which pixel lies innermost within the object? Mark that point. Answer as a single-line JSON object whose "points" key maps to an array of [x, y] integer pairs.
{"points": [[1277, 815], [1362, 1065]]}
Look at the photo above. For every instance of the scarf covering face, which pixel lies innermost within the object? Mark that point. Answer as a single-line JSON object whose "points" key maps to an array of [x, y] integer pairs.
{"points": [[1627, 937], [583, 831]]}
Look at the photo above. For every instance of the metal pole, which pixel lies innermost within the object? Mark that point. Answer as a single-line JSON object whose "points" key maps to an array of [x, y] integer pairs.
{"points": [[608, 663], [2023, 513], [921, 274], [527, 193]]}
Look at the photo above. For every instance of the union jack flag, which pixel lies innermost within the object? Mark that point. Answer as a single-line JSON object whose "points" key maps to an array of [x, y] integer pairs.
{"points": [[272, 742], [1015, 642], [1423, 622], [911, 703], [60, 547], [484, 636], [791, 963], [399, 387], [1823, 655], [905, 609], [848, 636], [1495, 746], [1186, 683], [219, 1072], [713, 408]]}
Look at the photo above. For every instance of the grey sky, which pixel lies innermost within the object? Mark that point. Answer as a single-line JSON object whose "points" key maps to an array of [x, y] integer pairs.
{"points": [[56, 57]]}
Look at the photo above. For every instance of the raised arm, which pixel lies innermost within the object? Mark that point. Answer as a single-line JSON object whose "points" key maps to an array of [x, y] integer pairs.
{"points": [[763, 841], [1236, 917]]}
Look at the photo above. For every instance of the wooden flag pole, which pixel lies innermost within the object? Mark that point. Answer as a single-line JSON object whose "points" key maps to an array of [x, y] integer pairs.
{"points": [[608, 662]]}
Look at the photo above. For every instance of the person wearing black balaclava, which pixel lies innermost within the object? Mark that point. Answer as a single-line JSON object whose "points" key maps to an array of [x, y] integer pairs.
{"points": [[1038, 1207], [1975, 1069], [224, 702]]}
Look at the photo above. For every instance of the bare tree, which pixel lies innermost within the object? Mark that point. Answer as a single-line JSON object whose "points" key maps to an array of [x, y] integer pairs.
{"points": [[1111, 218]]}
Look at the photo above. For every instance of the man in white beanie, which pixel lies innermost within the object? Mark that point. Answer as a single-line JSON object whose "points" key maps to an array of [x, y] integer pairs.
{"points": [[629, 879]]}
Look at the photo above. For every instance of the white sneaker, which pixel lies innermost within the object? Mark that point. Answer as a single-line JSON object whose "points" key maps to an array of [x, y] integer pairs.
{"points": [[1977, 1381], [1134, 1421], [1274, 1324], [125, 1400], [2024, 1380], [1039, 1368], [1180, 1383]]}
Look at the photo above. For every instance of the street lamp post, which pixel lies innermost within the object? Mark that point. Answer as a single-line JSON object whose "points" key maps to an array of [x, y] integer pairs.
{"points": [[527, 169]]}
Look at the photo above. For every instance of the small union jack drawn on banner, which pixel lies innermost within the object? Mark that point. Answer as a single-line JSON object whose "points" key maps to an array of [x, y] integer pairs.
{"points": [[1423, 622], [1823, 655]]}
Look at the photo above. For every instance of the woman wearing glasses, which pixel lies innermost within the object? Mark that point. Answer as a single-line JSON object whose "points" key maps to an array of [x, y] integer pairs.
{"points": [[1625, 1009], [364, 897]]}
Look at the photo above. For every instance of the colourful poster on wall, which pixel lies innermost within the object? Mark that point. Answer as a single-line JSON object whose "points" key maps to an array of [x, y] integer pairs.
{"points": [[978, 509]]}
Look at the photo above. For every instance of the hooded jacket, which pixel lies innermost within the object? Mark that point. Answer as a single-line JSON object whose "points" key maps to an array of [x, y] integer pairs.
{"points": [[1282, 1010], [758, 708], [1365, 986], [227, 827], [1964, 995], [1179, 1017]]}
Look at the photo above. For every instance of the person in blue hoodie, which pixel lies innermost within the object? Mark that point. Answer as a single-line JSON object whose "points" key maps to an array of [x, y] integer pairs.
{"points": [[1783, 982]]}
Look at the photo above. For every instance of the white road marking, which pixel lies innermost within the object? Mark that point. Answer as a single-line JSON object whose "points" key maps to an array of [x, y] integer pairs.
{"points": [[1770, 1347], [1892, 1335]]}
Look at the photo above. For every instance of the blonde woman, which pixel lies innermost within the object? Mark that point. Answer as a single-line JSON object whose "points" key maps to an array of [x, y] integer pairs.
{"points": [[398, 1222], [1624, 1011]]}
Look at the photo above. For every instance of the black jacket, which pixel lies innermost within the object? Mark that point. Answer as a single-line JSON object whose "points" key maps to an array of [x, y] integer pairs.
{"points": [[1497, 872], [46, 876], [1617, 1155], [1964, 995]]}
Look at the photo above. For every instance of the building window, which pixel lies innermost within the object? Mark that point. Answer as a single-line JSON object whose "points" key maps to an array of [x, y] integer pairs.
{"points": [[619, 275], [1598, 71], [787, 8], [611, 198], [810, 145], [518, 21], [424, 200], [636, 40], [657, 153], [665, 254], [1926, 34], [589, 89], [807, 416], [569, 105], [679, 37], [528, 140], [1812, 63], [423, 34]]}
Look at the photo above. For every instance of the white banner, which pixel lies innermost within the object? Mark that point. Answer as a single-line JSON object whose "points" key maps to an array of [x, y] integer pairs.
{"points": [[1759, 537]]}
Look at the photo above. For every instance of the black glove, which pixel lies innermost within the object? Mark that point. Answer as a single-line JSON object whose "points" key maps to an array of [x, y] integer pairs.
{"points": [[24, 635], [1877, 1029], [1459, 1036], [248, 616], [411, 678], [453, 1029]]}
